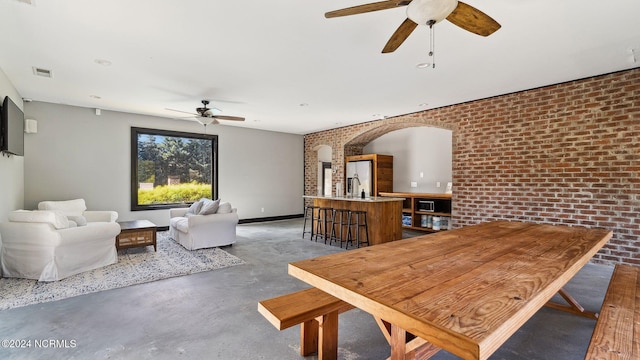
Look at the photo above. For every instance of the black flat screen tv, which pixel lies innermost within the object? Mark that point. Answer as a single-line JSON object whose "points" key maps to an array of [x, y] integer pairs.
{"points": [[11, 128]]}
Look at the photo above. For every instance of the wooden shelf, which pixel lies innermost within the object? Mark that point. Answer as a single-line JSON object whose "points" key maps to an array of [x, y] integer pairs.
{"points": [[420, 228], [411, 207], [432, 213]]}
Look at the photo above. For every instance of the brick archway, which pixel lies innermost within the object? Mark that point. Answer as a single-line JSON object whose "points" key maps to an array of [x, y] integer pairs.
{"points": [[351, 140]]}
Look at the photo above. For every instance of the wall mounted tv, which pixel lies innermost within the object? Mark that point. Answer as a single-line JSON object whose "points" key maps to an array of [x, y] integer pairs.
{"points": [[11, 128]]}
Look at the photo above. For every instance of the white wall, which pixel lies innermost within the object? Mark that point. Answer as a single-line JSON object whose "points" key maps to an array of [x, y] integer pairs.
{"points": [[416, 150], [324, 155], [79, 154], [11, 167]]}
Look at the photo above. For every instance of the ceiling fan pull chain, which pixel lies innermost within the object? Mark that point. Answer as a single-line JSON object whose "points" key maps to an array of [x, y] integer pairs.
{"points": [[432, 43]]}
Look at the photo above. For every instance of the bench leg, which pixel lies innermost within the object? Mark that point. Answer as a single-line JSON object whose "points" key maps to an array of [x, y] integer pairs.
{"points": [[328, 336], [320, 335], [309, 337]]}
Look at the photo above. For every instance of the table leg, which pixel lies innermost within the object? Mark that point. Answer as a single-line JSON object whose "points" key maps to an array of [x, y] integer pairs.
{"points": [[574, 307], [415, 347], [398, 343]]}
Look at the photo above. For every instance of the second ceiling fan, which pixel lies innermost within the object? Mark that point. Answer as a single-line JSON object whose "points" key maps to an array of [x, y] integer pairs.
{"points": [[426, 12], [208, 116]]}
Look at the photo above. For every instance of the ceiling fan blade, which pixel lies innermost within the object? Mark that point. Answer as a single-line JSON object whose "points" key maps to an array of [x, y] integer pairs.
{"points": [[225, 117], [180, 111], [360, 9], [473, 20], [399, 36]]}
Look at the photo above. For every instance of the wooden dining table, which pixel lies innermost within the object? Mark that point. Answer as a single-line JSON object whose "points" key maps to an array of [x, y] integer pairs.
{"points": [[465, 290]]}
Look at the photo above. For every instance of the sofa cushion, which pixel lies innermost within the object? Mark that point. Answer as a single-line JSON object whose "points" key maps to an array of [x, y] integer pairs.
{"points": [[78, 220], [180, 223], [209, 207], [55, 218], [69, 207], [224, 208]]}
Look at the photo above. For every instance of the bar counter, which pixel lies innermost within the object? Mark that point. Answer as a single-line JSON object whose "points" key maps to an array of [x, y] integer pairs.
{"points": [[384, 214]]}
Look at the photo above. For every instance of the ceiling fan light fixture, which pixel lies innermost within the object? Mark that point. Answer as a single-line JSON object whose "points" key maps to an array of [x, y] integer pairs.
{"points": [[206, 120], [423, 11]]}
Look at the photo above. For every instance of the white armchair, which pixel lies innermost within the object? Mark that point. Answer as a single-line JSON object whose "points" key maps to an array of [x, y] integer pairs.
{"points": [[203, 229], [49, 245]]}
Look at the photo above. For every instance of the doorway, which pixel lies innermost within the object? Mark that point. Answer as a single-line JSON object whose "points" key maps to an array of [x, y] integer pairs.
{"points": [[327, 178]]}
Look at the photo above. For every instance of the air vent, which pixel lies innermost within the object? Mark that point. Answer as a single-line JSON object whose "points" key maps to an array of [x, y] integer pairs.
{"points": [[42, 72]]}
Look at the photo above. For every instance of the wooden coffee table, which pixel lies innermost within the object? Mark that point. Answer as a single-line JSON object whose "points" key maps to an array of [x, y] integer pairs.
{"points": [[136, 233]]}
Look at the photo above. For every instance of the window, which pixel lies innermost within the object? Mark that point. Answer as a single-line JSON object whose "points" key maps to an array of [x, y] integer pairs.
{"points": [[172, 169]]}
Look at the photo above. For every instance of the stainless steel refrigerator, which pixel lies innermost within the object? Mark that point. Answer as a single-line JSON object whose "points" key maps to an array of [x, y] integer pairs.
{"points": [[359, 177]]}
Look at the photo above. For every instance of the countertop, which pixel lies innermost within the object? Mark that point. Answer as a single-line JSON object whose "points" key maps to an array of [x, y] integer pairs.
{"points": [[367, 199]]}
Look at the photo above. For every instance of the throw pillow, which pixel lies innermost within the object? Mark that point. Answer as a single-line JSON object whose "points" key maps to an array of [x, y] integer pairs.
{"points": [[195, 207], [79, 220], [224, 208], [209, 207], [68, 207]]}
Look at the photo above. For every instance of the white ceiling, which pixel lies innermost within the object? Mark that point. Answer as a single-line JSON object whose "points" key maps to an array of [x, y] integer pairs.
{"points": [[264, 59]]}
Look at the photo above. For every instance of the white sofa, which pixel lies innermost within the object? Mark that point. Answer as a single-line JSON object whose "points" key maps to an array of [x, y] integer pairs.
{"points": [[53, 244], [204, 224]]}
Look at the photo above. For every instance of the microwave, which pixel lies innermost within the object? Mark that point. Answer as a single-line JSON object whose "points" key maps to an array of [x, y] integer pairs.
{"points": [[425, 205]]}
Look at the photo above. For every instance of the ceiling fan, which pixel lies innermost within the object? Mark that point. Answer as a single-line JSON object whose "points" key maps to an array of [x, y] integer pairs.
{"points": [[207, 116], [426, 12]]}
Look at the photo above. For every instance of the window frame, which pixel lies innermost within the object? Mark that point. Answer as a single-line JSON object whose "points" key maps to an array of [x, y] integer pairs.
{"points": [[136, 132]]}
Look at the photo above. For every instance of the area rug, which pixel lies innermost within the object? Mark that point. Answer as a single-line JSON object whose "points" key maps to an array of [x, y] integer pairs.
{"points": [[134, 266]]}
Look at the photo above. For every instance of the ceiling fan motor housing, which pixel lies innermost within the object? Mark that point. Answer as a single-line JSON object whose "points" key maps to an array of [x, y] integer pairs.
{"points": [[424, 12]]}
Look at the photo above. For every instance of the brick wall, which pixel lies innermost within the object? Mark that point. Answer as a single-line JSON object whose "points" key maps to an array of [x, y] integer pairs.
{"points": [[562, 154]]}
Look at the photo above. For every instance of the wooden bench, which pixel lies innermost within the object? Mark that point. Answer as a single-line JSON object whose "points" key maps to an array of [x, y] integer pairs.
{"points": [[316, 311], [617, 331]]}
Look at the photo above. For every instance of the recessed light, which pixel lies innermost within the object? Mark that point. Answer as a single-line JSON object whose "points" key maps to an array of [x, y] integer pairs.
{"points": [[95, 97], [424, 65], [102, 62], [423, 105]]}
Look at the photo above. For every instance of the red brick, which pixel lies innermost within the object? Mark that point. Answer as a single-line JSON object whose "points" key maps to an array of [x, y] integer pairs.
{"points": [[562, 154]]}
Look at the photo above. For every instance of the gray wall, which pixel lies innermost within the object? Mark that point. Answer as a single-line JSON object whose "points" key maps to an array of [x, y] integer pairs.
{"points": [[79, 154], [11, 167], [425, 150]]}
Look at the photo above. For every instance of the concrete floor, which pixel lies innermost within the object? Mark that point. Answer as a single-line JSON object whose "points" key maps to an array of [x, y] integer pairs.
{"points": [[213, 315]]}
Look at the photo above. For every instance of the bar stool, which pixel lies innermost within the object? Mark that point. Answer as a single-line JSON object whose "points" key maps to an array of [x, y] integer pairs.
{"points": [[360, 222], [310, 212], [325, 215], [340, 219]]}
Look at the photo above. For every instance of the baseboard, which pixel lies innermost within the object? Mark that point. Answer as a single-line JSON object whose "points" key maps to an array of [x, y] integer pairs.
{"points": [[271, 218], [246, 221]]}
